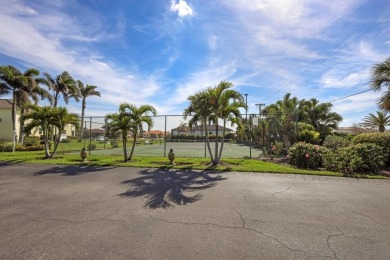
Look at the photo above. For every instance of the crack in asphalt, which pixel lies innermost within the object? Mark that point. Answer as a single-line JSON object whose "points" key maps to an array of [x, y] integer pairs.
{"points": [[371, 219], [243, 226], [327, 242], [72, 221], [278, 192]]}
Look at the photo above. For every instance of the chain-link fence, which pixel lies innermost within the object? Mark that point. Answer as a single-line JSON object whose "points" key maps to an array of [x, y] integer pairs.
{"points": [[254, 138]]}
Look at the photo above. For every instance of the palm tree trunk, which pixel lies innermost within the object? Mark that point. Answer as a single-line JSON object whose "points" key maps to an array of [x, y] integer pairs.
{"points": [[223, 141], [124, 144], [21, 126], [82, 121], [134, 141], [208, 142], [46, 142], [14, 115], [215, 162], [56, 143]]}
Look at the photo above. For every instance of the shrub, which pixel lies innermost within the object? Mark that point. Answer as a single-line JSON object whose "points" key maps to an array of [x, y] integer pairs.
{"points": [[91, 146], [308, 134], [380, 139], [306, 156], [360, 158], [31, 141], [114, 144], [277, 149], [334, 142], [65, 141], [30, 148]]}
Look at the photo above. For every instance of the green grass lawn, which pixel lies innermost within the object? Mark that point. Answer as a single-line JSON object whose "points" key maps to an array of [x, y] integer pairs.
{"points": [[238, 165]]}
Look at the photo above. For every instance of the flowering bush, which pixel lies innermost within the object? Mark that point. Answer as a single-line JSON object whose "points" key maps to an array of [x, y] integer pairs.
{"points": [[276, 149], [307, 156], [360, 158]]}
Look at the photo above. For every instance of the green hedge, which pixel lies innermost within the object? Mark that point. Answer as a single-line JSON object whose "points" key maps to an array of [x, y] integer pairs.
{"points": [[360, 158], [380, 139], [335, 142]]}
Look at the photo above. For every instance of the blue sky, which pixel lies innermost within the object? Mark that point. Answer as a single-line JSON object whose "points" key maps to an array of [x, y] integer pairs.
{"points": [[159, 52]]}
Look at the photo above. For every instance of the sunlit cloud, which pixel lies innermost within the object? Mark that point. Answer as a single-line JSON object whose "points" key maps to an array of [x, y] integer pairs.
{"points": [[182, 8]]}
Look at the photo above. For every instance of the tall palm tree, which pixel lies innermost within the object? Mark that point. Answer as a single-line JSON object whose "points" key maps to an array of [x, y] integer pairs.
{"points": [[31, 93], [200, 110], [213, 104], [120, 122], [380, 120], [225, 105], [138, 116], [84, 92], [380, 80], [63, 85], [22, 86]]}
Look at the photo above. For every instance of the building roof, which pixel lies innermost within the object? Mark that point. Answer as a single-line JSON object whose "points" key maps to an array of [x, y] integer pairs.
{"points": [[201, 128], [5, 103]]}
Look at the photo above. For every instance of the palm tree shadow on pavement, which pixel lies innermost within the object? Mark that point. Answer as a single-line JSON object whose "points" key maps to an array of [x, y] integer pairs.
{"points": [[164, 188], [71, 170]]}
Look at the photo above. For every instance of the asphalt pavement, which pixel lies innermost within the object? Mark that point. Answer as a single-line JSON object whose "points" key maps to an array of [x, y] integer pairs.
{"points": [[72, 212]]}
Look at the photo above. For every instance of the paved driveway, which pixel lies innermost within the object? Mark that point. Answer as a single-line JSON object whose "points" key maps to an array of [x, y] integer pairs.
{"points": [[66, 212]]}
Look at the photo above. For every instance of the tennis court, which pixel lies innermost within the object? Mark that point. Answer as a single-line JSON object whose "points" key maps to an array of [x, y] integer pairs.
{"points": [[184, 149]]}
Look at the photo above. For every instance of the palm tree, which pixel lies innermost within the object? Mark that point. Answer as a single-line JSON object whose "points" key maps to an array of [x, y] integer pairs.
{"points": [[84, 92], [380, 120], [22, 86], [319, 115], [30, 94], [281, 117], [213, 104], [39, 117], [45, 117], [120, 122], [226, 107], [380, 80], [63, 84], [200, 111], [138, 117]]}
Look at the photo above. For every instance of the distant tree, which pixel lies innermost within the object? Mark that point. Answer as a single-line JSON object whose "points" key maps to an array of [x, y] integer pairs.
{"points": [[380, 80], [380, 120], [84, 92]]}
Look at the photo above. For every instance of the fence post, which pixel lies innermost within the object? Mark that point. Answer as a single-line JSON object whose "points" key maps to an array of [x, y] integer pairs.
{"points": [[165, 137], [250, 139], [90, 134]]}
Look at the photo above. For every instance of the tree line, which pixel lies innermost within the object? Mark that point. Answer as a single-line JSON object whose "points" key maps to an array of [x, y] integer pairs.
{"points": [[29, 87]]}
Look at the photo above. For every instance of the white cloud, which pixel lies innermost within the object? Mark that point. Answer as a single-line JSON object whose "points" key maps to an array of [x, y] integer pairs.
{"points": [[199, 80], [182, 8], [39, 46], [335, 80]]}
